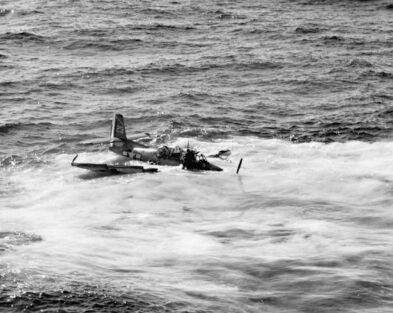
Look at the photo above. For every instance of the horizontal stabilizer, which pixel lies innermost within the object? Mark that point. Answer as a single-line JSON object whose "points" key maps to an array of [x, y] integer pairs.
{"points": [[95, 141]]}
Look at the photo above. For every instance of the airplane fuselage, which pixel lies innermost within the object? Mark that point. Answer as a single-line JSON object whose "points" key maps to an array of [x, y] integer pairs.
{"points": [[140, 152]]}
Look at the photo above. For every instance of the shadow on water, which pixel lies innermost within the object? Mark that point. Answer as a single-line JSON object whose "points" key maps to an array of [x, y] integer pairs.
{"points": [[96, 175]]}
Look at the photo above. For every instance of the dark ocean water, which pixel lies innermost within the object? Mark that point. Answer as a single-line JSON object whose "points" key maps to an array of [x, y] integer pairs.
{"points": [[302, 90]]}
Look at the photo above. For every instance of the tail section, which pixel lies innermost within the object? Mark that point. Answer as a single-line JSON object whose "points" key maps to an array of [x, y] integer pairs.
{"points": [[118, 127], [119, 143]]}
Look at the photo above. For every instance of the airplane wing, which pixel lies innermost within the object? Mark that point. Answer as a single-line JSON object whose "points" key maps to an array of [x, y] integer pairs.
{"points": [[115, 169]]}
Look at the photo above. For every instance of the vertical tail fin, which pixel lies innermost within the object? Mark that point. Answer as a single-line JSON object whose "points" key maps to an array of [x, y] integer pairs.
{"points": [[118, 127]]}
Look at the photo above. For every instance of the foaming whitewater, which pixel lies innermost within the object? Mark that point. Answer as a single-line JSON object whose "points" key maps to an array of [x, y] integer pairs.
{"points": [[302, 227]]}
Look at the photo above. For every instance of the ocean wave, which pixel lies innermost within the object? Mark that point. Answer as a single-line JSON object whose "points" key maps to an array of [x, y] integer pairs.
{"points": [[22, 36], [308, 29], [204, 133], [94, 32], [381, 95], [359, 63], [159, 13], [5, 128], [367, 126], [64, 85], [252, 30], [215, 13], [357, 42], [11, 160], [79, 296], [197, 96], [332, 132], [386, 113], [162, 27], [9, 239], [225, 15], [180, 128], [28, 12], [345, 3], [10, 84], [93, 45], [376, 73], [333, 38], [103, 45], [4, 12], [121, 90], [121, 71], [179, 68], [312, 86]]}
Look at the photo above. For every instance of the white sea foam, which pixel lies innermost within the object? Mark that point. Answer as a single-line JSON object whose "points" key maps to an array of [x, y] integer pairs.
{"points": [[300, 203]]}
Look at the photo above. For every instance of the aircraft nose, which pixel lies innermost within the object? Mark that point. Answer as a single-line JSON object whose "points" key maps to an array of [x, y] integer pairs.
{"points": [[215, 168]]}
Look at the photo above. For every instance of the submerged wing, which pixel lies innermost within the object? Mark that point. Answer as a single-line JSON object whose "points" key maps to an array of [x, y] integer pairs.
{"points": [[109, 168], [95, 167]]}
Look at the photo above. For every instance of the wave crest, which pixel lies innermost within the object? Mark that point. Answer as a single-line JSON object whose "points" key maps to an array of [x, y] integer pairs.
{"points": [[22, 36]]}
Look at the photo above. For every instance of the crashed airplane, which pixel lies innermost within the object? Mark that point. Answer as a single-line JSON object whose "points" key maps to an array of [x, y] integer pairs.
{"points": [[119, 143]]}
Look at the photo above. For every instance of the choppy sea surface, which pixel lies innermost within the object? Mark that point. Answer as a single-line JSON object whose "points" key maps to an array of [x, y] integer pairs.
{"points": [[302, 90]]}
